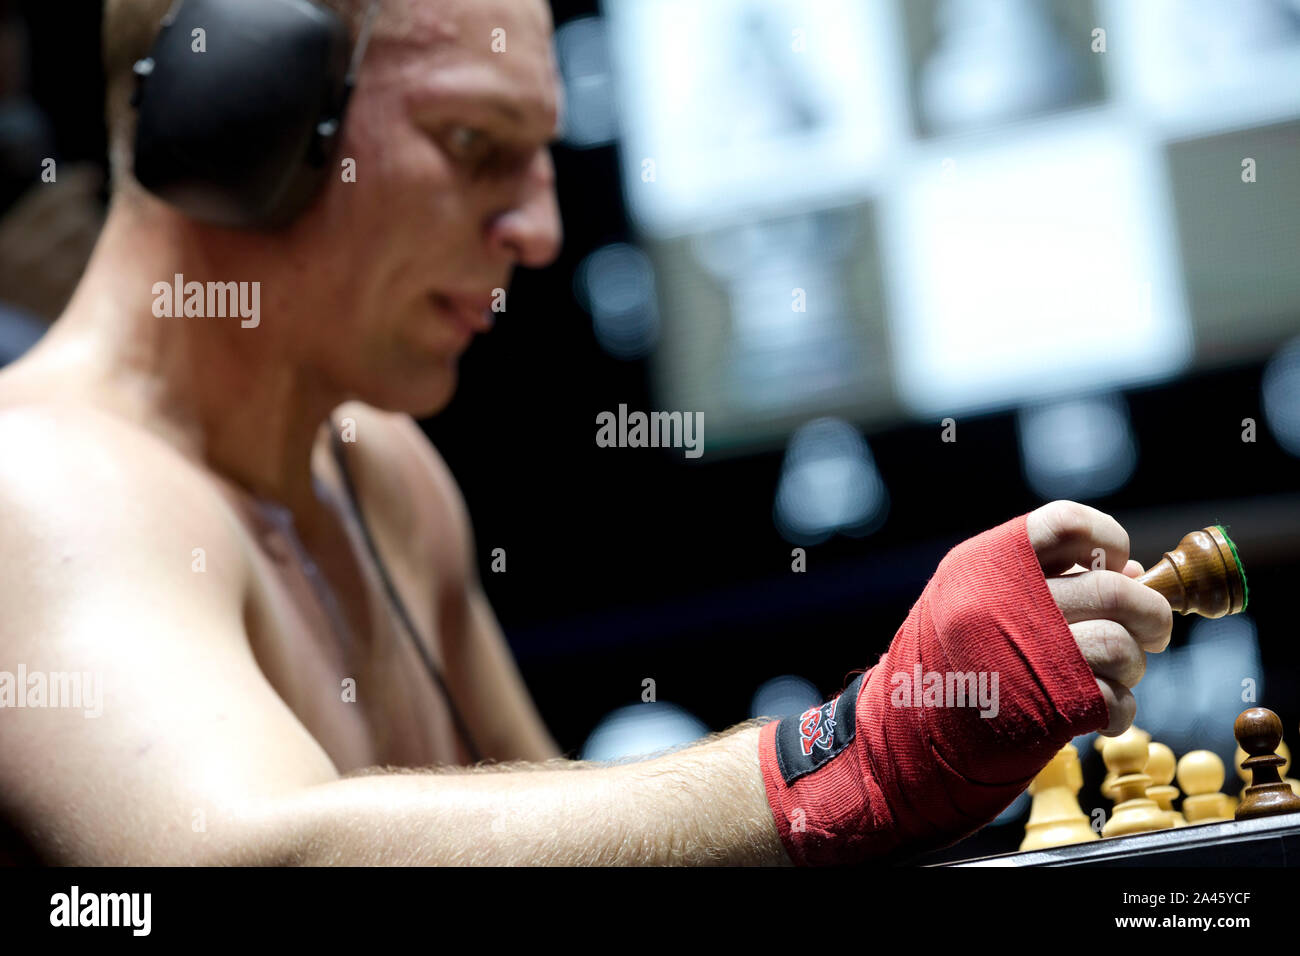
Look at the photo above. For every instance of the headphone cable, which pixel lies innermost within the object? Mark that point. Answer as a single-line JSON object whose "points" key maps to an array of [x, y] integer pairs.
{"points": [[395, 599]]}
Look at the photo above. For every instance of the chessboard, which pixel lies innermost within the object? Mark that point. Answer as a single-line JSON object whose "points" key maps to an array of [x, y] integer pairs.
{"points": [[1261, 827], [1265, 841]]}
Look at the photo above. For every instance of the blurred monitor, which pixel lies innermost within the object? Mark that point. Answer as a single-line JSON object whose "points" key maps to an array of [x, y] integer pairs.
{"points": [[852, 209]]}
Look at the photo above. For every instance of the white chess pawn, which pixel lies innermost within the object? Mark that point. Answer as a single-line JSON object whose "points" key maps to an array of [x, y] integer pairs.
{"points": [[1200, 774], [1134, 812], [1108, 784], [1160, 768], [1056, 819]]}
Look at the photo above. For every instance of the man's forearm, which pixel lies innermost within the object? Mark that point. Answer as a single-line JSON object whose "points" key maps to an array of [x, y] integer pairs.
{"points": [[702, 805]]}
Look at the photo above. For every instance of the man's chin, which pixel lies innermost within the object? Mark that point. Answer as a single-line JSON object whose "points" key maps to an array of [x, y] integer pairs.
{"points": [[419, 396]]}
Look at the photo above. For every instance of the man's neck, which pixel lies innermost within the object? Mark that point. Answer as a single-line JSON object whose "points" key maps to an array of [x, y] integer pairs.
{"points": [[231, 397]]}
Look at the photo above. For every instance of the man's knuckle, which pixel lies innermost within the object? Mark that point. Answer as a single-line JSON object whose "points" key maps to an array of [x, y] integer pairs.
{"points": [[1130, 662], [1165, 617], [1121, 649], [1107, 592], [1156, 617], [1068, 520]]}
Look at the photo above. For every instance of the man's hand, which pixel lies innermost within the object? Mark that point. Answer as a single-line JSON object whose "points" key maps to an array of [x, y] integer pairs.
{"points": [[884, 769], [1115, 620]]}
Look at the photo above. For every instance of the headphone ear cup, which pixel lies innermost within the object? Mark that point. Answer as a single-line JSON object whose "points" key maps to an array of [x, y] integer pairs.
{"points": [[240, 103]]}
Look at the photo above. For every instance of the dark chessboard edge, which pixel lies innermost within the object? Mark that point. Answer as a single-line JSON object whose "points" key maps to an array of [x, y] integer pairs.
{"points": [[1267, 841]]}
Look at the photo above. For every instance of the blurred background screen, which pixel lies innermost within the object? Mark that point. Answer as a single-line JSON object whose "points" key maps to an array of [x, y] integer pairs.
{"points": [[886, 211]]}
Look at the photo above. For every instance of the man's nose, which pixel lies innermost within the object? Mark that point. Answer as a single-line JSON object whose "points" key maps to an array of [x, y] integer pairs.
{"points": [[530, 233]]}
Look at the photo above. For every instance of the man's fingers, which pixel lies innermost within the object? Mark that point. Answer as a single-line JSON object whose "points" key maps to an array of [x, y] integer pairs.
{"points": [[1064, 533], [1107, 596], [1120, 705], [1110, 651], [1131, 570]]}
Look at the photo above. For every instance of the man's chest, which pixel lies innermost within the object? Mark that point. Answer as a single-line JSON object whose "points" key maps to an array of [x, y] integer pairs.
{"points": [[349, 647]]}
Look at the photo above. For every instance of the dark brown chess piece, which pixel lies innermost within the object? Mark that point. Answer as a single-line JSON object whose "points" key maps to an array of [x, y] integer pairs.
{"points": [[1259, 731], [1203, 575]]}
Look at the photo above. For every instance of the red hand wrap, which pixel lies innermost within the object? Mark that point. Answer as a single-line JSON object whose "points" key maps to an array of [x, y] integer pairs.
{"points": [[899, 770]]}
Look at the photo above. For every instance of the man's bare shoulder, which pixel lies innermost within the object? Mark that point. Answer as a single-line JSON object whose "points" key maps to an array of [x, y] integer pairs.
{"points": [[53, 449], [403, 477], [103, 528], [78, 485]]}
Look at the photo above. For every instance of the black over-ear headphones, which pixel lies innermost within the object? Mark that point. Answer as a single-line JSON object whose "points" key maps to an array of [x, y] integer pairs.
{"points": [[241, 106]]}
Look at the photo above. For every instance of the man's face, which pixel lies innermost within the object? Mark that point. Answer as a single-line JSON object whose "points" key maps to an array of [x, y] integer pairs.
{"points": [[454, 187]]}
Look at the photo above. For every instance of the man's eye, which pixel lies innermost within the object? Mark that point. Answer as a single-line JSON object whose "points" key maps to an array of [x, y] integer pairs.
{"points": [[467, 142]]}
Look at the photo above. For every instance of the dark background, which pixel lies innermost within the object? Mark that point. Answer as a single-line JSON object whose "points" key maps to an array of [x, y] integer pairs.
{"points": [[626, 564]]}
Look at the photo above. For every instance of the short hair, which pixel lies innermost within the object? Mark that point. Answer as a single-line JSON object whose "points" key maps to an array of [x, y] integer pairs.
{"points": [[130, 28]]}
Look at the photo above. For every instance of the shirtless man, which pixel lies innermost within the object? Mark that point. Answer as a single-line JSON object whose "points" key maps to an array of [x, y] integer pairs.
{"points": [[174, 521]]}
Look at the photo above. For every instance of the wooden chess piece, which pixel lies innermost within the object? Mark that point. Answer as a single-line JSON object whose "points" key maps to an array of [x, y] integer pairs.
{"points": [[1134, 731], [1203, 575], [1056, 819], [1259, 731], [1200, 775], [1135, 812], [1160, 768], [1284, 752]]}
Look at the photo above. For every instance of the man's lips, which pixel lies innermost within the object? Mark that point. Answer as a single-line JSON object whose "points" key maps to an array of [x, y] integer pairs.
{"points": [[471, 312]]}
